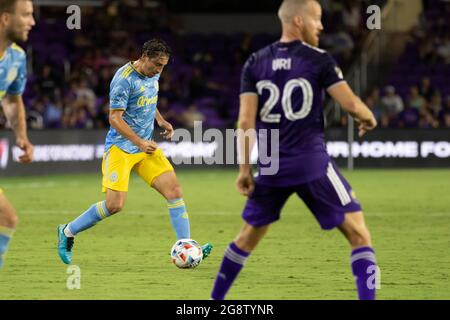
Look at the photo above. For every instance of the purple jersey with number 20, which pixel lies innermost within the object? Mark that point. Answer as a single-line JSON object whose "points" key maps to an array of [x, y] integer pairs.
{"points": [[290, 79]]}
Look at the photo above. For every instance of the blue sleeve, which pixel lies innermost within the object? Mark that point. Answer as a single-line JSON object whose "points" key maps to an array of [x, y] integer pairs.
{"points": [[248, 82], [330, 73], [119, 94], [17, 87]]}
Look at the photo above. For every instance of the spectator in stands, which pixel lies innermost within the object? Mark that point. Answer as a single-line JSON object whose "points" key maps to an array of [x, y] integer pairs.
{"points": [[409, 117], [35, 120], [416, 101], [85, 96], [52, 112], [427, 120], [379, 108], [82, 119], [67, 118], [435, 105], [426, 90], [392, 102]]}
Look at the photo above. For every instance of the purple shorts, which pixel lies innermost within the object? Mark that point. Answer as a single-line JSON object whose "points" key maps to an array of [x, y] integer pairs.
{"points": [[329, 198]]}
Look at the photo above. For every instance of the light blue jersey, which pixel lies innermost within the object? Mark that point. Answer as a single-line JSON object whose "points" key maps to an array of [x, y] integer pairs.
{"points": [[137, 95], [13, 71]]}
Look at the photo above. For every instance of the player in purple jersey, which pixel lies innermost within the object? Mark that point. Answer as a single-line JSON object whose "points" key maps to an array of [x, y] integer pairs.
{"points": [[282, 89]]}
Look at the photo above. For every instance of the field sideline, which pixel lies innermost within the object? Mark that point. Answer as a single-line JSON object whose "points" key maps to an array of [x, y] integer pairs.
{"points": [[127, 256]]}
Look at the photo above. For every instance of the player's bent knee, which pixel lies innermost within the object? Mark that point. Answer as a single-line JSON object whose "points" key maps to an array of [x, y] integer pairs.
{"points": [[177, 191], [174, 192], [12, 220], [360, 238], [9, 218], [115, 207]]}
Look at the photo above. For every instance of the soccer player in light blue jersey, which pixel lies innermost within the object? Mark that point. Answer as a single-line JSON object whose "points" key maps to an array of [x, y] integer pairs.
{"points": [[16, 21], [129, 146]]}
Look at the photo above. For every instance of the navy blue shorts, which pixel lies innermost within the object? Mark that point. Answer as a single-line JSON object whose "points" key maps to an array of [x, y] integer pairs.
{"points": [[329, 198]]}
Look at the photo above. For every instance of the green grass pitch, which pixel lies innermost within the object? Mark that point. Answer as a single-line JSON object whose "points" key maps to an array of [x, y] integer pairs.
{"points": [[127, 256]]}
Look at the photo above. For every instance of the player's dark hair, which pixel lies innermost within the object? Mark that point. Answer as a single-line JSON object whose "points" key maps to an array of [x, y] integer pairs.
{"points": [[156, 48], [8, 5]]}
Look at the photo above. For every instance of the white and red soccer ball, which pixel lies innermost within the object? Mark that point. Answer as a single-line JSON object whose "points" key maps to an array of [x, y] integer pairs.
{"points": [[186, 253]]}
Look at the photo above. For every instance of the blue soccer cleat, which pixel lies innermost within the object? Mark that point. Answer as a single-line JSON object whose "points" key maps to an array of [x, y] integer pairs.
{"points": [[65, 245], [206, 249]]}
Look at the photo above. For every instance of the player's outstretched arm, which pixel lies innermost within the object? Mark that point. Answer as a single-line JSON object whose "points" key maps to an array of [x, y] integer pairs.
{"points": [[351, 103], [117, 122], [246, 139], [15, 113]]}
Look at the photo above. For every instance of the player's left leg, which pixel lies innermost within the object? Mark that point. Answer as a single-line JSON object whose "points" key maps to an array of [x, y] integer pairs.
{"points": [[262, 208], [334, 204], [8, 223], [157, 171], [167, 185], [116, 168]]}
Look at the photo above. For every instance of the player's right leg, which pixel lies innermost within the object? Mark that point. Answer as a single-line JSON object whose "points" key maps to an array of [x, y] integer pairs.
{"points": [[157, 171], [116, 168], [235, 257], [363, 260], [262, 208], [8, 224]]}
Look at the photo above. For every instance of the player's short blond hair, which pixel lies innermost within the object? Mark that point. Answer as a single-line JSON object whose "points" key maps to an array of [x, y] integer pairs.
{"points": [[290, 8]]}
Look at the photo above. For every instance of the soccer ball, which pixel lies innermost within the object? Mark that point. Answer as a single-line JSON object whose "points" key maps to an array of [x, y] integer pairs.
{"points": [[186, 253]]}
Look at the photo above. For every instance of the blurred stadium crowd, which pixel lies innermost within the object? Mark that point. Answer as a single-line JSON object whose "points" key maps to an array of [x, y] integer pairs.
{"points": [[416, 93], [72, 69]]}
